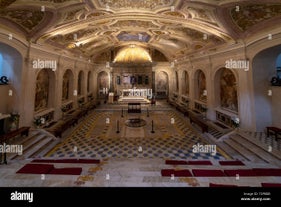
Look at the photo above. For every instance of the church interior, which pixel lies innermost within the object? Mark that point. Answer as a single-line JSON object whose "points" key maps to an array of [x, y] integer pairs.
{"points": [[129, 93]]}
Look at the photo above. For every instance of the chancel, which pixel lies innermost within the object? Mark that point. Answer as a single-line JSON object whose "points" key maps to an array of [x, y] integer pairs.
{"points": [[128, 93]]}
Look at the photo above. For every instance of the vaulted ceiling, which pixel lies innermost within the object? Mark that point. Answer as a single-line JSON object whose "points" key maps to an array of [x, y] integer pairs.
{"points": [[169, 29]]}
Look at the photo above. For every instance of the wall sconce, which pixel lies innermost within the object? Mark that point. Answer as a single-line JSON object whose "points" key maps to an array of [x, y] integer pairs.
{"points": [[10, 92], [105, 90], [42, 120], [75, 93], [107, 65], [205, 93], [269, 92]]}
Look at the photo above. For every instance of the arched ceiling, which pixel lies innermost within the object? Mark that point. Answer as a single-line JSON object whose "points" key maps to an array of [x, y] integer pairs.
{"points": [[175, 28]]}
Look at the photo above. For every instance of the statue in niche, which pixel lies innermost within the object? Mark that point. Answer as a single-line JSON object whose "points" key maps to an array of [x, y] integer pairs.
{"points": [[202, 86], [228, 90], [185, 85], [42, 90], [103, 80], [80, 84], [65, 87], [162, 81]]}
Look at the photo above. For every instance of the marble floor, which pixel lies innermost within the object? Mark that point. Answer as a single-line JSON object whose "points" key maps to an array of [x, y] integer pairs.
{"points": [[133, 157]]}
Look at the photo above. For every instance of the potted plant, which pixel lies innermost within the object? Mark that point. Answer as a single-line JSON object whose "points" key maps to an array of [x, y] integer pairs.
{"points": [[235, 122], [90, 97], [64, 109], [37, 122], [15, 121], [80, 102], [204, 110]]}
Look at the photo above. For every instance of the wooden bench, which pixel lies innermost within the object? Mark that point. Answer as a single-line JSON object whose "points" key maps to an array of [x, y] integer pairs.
{"points": [[62, 126], [275, 130], [199, 122], [134, 108], [22, 131]]}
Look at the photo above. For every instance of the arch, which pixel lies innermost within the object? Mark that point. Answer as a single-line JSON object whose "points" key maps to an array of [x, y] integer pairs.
{"points": [[266, 108], [200, 86], [177, 81], [225, 85], [185, 83], [11, 67], [103, 83], [80, 88], [162, 84], [67, 85], [44, 89], [89, 82]]}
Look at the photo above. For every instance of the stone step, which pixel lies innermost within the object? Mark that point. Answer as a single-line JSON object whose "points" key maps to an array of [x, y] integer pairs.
{"points": [[243, 151], [41, 152], [260, 152], [230, 151], [265, 146], [28, 146], [37, 146]]}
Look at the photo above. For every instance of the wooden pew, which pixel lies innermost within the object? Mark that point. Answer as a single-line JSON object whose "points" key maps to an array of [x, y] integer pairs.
{"points": [[275, 130], [22, 131], [134, 108], [199, 122]]}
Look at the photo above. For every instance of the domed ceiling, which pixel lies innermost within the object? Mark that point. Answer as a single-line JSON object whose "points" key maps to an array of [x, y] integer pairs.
{"points": [[172, 29]]}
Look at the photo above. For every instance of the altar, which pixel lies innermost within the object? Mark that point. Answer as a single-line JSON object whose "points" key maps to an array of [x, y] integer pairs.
{"points": [[135, 96]]}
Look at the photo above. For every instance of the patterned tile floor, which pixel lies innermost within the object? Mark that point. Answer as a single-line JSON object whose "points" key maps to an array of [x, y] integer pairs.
{"points": [[96, 136]]}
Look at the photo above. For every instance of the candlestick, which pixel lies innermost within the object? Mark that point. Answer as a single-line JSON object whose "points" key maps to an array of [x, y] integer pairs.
{"points": [[152, 130], [117, 127]]}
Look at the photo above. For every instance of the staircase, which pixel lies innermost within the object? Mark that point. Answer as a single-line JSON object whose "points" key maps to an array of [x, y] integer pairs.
{"points": [[214, 132], [37, 144], [250, 149], [261, 137]]}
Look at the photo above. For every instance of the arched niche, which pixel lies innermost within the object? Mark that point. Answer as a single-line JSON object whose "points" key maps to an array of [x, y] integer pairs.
{"points": [[266, 107], [89, 82], [80, 88], [200, 86], [103, 83], [44, 90], [11, 67], [225, 85], [177, 81], [185, 83], [67, 85], [162, 84]]}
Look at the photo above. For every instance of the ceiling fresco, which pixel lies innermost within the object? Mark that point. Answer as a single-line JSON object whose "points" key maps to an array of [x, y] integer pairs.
{"points": [[174, 28]]}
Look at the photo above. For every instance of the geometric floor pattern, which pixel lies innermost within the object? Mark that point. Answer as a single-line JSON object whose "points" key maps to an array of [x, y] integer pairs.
{"points": [[96, 137]]}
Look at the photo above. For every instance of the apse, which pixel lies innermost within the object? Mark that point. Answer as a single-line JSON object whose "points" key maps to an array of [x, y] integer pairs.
{"points": [[133, 54]]}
